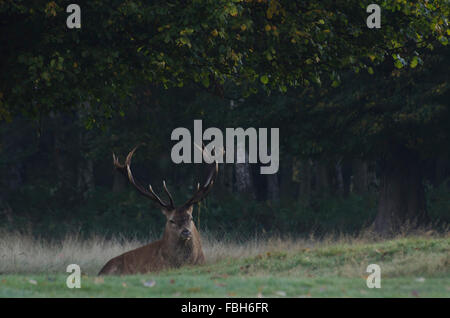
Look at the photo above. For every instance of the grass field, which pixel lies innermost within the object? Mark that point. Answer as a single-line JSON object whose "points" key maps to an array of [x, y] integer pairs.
{"points": [[415, 266]]}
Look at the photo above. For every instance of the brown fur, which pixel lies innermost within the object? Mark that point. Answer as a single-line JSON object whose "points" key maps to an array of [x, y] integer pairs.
{"points": [[169, 252]]}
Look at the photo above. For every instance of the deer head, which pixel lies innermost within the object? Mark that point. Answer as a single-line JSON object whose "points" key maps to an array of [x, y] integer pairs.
{"points": [[179, 224]]}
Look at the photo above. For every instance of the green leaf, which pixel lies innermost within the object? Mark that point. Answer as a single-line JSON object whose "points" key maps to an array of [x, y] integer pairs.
{"points": [[443, 40], [264, 79], [233, 11], [398, 64], [45, 76], [414, 62], [205, 81], [317, 80]]}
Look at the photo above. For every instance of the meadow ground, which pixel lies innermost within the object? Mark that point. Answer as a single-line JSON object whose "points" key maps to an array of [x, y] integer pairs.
{"points": [[411, 266]]}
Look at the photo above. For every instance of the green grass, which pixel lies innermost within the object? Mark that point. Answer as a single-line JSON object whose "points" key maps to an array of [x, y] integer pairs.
{"points": [[183, 285], [410, 267]]}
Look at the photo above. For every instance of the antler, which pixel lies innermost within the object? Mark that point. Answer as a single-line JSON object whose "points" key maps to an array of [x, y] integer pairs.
{"points": [[202, 191], [168, 193], [126, 170]]}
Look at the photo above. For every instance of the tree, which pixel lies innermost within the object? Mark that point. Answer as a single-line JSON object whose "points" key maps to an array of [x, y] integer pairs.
{"points": [[399, 117], [276, 43], [272, 45]]}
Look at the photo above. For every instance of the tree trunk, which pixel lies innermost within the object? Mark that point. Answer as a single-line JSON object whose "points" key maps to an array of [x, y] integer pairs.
{"points": [[61, 142], [85, 173], [304, 176], [285, 181], [441, 170], [228, 177], [243, 175], [339, 177], [119, 182], [85, 176], [273, 188], [322, 181], [360, 177], [402, 196]]}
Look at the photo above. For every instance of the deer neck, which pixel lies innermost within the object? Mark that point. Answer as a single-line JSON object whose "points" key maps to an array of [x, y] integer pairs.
{"points": [[176, 250]]}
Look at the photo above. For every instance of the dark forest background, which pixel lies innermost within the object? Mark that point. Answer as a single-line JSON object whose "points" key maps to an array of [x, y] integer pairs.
{"points": [[363, 114], [58, 175]]}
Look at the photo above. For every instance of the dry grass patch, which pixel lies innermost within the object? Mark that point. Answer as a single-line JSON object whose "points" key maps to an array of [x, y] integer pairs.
{"points": [[336, 255]]}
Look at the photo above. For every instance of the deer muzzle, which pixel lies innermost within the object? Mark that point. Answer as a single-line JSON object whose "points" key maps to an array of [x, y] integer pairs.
{"points": [[186, 234]]}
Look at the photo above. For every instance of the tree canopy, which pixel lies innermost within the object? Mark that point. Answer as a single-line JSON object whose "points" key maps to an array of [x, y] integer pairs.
{"points": [[274, 44]]}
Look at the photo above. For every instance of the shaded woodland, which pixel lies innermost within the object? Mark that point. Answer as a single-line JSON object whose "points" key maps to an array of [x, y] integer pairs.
{"points": [[363, 114]]}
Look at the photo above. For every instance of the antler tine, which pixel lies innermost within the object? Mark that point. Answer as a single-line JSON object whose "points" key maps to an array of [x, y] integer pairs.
{"points": [[116, 162], [168, 194], [158, 199], [202, 191], [126, 169]]}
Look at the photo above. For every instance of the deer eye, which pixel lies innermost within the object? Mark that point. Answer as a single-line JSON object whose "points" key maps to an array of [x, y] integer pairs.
{"points": [[172, 221]]}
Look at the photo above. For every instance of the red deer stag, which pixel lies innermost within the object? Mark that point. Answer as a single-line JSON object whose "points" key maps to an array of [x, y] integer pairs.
{"points": [[180, 243]]}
